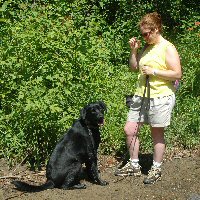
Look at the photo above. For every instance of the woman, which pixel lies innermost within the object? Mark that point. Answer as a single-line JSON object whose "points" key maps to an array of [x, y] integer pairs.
{"points": [[159, 65]]}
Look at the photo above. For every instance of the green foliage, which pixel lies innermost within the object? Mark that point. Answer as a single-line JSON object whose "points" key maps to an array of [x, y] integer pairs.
{"points": [[57, 56], [50, 70], [185, 129]]}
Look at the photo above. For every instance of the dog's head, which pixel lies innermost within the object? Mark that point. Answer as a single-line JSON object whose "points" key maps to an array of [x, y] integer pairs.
{"points": [[93, 114]]}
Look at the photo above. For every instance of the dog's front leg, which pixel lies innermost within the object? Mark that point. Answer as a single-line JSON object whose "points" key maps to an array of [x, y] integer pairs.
{"points": [[92, 171]]}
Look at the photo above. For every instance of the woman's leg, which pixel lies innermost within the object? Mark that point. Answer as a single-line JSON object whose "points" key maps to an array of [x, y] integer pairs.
{"points": [[131, 130], [159, 149], [159, 143], [132, 168]]}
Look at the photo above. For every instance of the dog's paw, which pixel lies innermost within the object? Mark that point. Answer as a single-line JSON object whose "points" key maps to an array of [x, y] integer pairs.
{"points": [[103, 183], [78, 186]]}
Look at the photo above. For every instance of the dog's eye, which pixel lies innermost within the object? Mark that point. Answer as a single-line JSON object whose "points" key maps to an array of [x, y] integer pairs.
{"points": [[102, 110], [93, 110], [96, 110]]}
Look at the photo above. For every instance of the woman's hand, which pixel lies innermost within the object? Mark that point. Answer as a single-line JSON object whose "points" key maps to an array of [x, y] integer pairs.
{"points": [[133, 59], [134, 43], [146, 70], [173, 72]]}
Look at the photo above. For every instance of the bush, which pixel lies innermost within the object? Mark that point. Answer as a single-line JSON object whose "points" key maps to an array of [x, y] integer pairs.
{"points": [[50, 70], [56, 59], [185, 127]]}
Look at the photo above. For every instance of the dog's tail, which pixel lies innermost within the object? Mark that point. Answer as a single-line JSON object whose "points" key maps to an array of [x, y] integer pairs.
{"points": [[22, 186]]}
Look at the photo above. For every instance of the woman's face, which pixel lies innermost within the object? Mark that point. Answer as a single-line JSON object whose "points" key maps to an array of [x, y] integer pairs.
{"points": [[150, 36]]}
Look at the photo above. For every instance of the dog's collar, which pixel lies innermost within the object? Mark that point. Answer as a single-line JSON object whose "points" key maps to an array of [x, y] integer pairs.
{"points": [[90, 132], [91, 137], [86, 123], [90, 126]]}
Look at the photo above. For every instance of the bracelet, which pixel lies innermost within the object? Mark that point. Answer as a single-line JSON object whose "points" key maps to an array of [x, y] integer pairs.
{"points": [[155, 72]]}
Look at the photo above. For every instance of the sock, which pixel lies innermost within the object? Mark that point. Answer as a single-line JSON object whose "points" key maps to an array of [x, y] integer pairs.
{"points": [[135, 162], [156, 164]]}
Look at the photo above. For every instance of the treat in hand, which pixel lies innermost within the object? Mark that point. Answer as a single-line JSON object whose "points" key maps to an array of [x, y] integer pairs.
{"points": [[134, 43]]}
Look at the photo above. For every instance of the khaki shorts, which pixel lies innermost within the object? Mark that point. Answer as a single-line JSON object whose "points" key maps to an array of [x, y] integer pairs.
{"points": [[159, 114]]}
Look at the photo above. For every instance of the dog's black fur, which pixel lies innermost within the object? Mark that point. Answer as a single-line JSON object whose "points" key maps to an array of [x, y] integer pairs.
{"points": [[79, 145]]}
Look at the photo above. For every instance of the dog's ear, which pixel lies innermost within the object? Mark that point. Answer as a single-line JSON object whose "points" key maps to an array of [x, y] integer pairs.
{"points": [[83, 113], [103, 105]]}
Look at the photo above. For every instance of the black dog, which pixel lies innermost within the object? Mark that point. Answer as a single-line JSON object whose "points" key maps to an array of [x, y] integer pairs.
{"points": [[79, 145]]}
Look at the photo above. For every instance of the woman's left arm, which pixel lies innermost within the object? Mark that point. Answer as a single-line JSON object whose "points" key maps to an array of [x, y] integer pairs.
{"points": [[174, 71], [173, 63]]}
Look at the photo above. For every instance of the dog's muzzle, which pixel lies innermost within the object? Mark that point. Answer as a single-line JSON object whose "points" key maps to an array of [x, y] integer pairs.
{"points": [[101, 121]]}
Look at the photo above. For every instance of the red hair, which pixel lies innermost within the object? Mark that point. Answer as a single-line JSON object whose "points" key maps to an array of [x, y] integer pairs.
{"points": [[152, 21]]}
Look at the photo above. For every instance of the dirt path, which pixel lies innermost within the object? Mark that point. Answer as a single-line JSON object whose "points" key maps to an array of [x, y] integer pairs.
{"points": [[180, 181]]}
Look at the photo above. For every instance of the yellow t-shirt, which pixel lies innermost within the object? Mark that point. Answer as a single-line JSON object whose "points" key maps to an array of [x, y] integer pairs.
{"points": [[154, 56]]}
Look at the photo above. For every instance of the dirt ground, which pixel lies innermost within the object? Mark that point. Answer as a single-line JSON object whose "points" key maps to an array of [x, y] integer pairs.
{"points": [[180, 181]]}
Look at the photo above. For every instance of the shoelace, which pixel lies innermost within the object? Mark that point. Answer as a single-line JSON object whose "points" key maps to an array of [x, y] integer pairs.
{"points": [[153, 172]]}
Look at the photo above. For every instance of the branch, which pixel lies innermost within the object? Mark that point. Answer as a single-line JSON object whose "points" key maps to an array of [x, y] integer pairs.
{"points": [[5, 177]]}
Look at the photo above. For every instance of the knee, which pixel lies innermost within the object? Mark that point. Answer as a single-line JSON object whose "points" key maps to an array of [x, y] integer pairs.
{"points": [[126, 130], [130, 130]]}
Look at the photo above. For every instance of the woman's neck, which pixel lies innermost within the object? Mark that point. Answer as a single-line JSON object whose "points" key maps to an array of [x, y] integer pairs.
{"points": [[159, 39]]}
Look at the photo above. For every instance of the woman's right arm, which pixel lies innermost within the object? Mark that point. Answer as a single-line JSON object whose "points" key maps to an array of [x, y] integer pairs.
{"points": [[133, 59]]}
